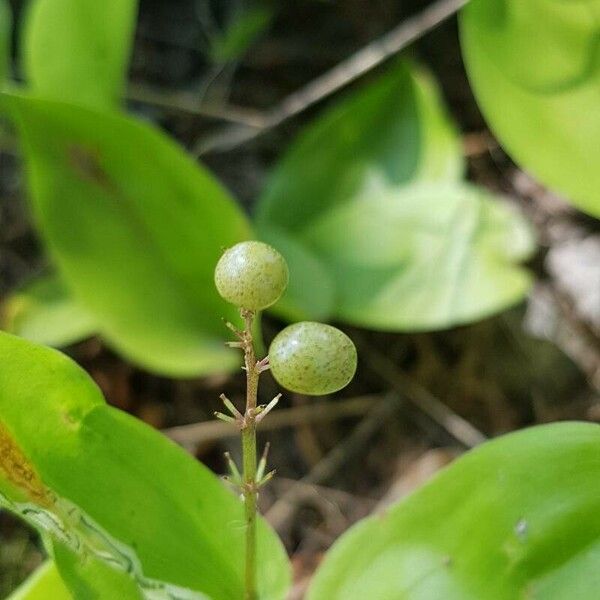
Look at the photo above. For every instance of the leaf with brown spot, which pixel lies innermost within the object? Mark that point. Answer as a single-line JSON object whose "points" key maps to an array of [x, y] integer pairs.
{"points": [[135, 228], [123, 488], [19, 472]]}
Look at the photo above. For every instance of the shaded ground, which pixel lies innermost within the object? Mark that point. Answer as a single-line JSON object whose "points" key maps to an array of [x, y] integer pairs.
{"points": [[492, 374]]}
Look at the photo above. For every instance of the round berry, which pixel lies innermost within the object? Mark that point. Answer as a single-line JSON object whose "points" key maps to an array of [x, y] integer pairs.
{"points": [[251, 275], [312, 358]]}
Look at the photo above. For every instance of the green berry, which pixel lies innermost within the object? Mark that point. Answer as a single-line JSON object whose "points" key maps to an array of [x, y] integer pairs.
{"points": [[251, 275], [312, 358]]}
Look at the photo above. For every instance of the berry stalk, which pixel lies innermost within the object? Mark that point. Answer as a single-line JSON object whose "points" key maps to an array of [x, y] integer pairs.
{"points": [[249, 460], [309, 358]]}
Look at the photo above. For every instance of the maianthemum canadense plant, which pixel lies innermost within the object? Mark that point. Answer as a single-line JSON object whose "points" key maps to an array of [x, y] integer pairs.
{"points": [[310, 358], [370, 209], [517, 517]]}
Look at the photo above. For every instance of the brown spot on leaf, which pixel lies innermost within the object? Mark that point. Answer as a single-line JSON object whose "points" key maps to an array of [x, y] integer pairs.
{"points": [[20, 472], [86, 163]]}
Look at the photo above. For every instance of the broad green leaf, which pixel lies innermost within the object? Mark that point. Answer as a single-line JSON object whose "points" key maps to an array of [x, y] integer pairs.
{"points": [[386, 135], [556, 54], [425, 257], [5, 41], [135, 228], [126, 508], [535, 69], [518, 517], [78, 50], [310, 294], [372, 191], [44, 584], [44, 311]]}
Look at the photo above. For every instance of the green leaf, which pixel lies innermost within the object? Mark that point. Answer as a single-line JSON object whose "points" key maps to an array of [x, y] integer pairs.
{"points": [[78, 50], [310, 294], [44, 584], [135, 228], [116, 496], [371, 193], [535, 70], [6, 24], [518, 517], [386, 135], [97, 579], [44, 311], [428, 256]]}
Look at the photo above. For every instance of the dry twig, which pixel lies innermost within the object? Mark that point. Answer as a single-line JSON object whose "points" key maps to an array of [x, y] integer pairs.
{"points": [[352, 68], [187, 102], [423, 399], [379, 414]]}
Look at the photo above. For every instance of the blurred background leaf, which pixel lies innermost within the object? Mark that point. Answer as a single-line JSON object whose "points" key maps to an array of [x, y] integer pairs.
{"points": [[493, 525], [536, 81], [78, 50], [310, 294], [135, 234], [358, 191], [45, 311], [172, 525], [428, 256], [389, 133]]}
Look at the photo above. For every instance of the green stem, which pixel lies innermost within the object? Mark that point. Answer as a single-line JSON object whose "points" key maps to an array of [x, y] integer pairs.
{"points": [[250, 486]]}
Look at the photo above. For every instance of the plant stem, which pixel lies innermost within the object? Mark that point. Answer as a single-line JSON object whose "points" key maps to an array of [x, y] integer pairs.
{"points": [[250, 485]]}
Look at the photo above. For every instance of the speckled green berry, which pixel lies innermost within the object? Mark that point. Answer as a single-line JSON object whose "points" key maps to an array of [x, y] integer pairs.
{"points": [[251, 275], [312, 358]]}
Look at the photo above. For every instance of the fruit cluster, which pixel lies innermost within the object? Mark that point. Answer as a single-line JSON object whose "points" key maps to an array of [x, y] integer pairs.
{"points": [[307, 357]]}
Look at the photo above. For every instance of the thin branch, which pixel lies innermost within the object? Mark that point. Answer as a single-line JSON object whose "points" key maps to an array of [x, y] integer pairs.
{"points": [[188, 102], [377, 417], [342, 74], [423, 399]]}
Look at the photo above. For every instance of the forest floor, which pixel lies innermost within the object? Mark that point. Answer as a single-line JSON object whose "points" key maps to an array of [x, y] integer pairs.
{"points": [[418, 400]]}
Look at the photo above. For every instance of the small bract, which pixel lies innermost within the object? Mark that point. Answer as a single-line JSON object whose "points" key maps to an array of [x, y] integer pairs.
{"points": [[312, 358], [251, 275]]}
